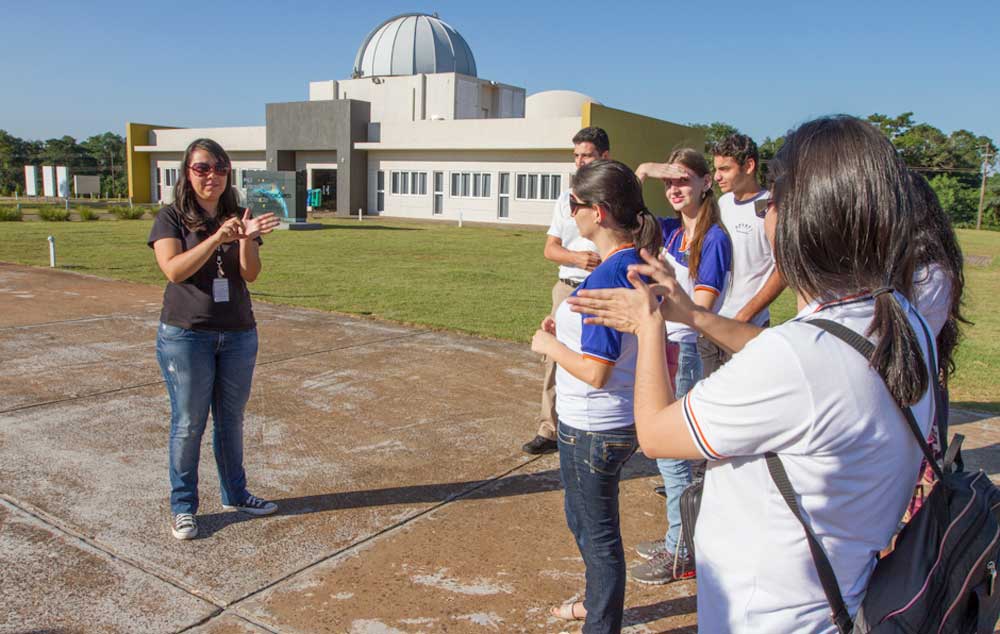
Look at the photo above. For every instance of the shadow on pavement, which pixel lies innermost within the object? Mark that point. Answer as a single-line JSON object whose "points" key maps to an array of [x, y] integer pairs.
{"points": [[520, 484]]}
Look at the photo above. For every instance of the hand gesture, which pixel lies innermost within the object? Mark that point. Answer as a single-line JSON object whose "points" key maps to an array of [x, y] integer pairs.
{"points": [[549, 325], [542, 341], [230, 231], [254, 227], [676, 305], [587, 260], [661, 171]]}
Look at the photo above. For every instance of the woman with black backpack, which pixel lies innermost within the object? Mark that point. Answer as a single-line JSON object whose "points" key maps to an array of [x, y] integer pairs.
{"points": [[830, 419]]}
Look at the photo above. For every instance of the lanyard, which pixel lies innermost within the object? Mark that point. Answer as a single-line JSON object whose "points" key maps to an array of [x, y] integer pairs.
{"points": [[218, 262]]}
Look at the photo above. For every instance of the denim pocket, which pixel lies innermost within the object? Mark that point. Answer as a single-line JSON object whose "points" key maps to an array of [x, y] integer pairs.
{"points": [[609, 453], [172, 332], [568, 439]]}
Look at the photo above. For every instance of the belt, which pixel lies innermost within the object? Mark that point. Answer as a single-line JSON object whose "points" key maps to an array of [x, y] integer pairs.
{"points": [[569, 282]]}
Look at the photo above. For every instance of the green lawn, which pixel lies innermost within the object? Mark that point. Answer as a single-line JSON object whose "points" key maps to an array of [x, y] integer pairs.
{"points": [[485, 281]]}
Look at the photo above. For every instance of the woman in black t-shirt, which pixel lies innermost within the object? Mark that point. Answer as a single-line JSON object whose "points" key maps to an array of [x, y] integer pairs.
{"points": [[207, 341]]}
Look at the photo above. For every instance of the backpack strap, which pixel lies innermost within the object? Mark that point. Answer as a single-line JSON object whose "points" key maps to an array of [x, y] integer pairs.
{"points": [[866, 348], [824, 569], [827, 578]]}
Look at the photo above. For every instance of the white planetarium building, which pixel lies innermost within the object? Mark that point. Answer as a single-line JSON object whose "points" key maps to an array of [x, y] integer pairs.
{"points": [[414, 132]]}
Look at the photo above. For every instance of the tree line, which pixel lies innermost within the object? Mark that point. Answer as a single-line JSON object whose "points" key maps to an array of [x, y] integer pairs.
{"points": [[952, 163], [101, 154]]}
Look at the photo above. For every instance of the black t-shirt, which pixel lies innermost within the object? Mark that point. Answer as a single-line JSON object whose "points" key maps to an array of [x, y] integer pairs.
{"points": [[190, 304]]}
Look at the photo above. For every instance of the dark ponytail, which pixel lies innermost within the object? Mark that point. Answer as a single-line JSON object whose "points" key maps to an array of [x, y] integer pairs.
{"points": [[845, 227], [615, 187], [648, 235]]}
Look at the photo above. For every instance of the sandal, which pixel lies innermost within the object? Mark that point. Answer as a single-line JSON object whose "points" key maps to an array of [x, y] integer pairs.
{"points": [[568, 611]]}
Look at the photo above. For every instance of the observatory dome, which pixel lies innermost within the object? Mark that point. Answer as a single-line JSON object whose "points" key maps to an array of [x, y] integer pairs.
{"points": [[414, 43]]}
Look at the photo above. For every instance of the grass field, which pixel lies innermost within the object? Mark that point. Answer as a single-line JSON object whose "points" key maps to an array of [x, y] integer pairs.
{"points": [[486, 281]]}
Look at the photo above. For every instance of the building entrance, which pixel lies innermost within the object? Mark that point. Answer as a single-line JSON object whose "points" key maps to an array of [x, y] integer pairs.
{"points": [[326, 180]]}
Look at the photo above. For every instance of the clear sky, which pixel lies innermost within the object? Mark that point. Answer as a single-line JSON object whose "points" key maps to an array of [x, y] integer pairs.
{"points": [[82, 68]]}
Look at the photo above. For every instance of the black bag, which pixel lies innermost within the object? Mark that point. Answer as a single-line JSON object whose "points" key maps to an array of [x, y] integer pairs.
{"points": [[690, 505], [941, 576]]}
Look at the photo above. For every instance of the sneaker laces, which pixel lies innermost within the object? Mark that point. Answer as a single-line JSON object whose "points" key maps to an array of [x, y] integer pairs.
{"points": [[254, 502], [184, 521]]}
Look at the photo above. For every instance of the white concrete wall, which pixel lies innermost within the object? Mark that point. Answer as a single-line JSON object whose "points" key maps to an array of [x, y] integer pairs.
{"points": [[533, 212], [235, 139], [419, 97], [466, 134]]}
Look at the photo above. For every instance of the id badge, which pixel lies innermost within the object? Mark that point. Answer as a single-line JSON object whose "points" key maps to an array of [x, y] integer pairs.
{"points": [[220, 290]]}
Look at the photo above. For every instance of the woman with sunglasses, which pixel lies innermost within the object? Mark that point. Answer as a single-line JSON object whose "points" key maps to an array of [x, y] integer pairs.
{"points": [[594, 385], [699, 252], [208, 248]]}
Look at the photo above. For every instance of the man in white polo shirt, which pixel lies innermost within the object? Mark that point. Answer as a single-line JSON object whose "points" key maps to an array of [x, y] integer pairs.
{"points": [[576, 258], [749, 221]]}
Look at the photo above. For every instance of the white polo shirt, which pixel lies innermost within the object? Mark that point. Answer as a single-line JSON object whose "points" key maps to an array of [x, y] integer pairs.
{"points": [[579, 404], [564, 227], [753, 260], [806, 395], [932, 295]]}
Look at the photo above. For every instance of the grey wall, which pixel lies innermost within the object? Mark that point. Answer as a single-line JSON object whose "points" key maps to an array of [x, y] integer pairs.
{"points": [[323, 125]]}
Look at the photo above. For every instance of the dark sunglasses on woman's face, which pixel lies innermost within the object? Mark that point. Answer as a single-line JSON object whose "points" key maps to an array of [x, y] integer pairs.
{"points": [[202, 169], [575, 205]]}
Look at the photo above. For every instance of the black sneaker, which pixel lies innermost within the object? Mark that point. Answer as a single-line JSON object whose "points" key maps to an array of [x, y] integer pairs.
{"points": [[540, 445], [253, 505]]}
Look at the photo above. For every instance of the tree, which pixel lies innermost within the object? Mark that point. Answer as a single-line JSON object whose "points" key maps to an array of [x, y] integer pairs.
{"points": [[960, 201], [108, 150], [714, 132]]}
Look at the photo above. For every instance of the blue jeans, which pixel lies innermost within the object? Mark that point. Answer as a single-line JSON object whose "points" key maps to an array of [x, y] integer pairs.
{"points": [[206, 370], [590, 465], [677, 473]]}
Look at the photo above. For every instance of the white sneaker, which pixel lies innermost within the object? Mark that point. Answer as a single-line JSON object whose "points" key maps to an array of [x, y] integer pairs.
{"points": [[253, 505], [184, 526]]}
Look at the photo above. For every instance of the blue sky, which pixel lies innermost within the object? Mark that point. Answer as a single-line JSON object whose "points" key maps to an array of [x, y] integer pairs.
{"points": [[84, 68]]}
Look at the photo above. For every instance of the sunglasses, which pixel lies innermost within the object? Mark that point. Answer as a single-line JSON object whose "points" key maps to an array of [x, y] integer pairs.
{"points": [[575, 206], [202, 169]]}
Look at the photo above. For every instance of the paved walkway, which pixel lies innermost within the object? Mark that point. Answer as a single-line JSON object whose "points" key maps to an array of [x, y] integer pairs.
{"points": [[406, 504]]}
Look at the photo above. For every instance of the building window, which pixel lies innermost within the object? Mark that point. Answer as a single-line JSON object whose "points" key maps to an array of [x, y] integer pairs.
{"points": [[409, 183], [538, 186], [470, 185], [380, 191]]}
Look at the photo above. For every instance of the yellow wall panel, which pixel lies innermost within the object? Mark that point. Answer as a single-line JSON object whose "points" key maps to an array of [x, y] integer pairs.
{"points": [[138, 162], [637, 139]]}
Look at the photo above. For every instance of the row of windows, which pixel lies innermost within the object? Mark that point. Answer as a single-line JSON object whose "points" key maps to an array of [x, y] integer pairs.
{"points": [[473, 185], [408, 183]]}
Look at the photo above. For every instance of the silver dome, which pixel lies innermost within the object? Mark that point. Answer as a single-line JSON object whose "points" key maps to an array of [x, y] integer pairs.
{"points": [[414, 43]]}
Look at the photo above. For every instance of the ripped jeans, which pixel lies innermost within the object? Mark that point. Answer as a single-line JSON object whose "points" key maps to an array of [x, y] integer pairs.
{"points": [[206, 370]]}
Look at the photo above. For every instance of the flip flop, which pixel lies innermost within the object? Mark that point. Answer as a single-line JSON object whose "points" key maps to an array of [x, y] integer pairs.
{"points": [[567, 611]]}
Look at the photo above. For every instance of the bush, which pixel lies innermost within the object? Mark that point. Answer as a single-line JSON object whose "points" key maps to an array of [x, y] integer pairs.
{"points": [[86, 213], [127, 213], [52, 213], [10, 214]]}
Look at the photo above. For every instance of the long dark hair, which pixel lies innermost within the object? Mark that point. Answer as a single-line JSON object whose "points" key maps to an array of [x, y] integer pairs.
{"points": [[708, 210], [614, 187], [935, 243], [185, 200], [845, 226]]}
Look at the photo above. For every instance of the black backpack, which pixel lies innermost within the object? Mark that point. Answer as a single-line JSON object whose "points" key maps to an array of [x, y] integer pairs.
{"points": [[942, 575]]}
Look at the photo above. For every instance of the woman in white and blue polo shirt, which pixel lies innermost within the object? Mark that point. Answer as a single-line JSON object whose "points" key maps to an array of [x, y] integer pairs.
{"points": [[594, 385]]}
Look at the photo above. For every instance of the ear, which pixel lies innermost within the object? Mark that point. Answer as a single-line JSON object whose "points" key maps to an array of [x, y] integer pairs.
{"points": [[750, 166]]}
